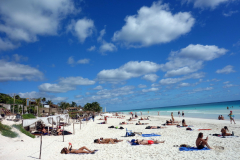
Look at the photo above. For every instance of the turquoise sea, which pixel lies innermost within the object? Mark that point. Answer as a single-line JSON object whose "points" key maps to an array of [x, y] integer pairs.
{"points": [[205, 110]]}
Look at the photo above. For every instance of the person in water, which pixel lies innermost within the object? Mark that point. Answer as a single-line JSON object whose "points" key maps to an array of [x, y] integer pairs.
{"points": [[201, 143], [83, 149]]}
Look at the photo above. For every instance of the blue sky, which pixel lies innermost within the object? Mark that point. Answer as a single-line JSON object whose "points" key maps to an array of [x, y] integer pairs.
{"points": [[122, 54]]}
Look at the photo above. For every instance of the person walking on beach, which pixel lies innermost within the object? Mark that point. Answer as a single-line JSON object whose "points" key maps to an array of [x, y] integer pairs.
{"points": [[231, 116], [93, 116], [182, 113], [179, 113], [201, 143]]}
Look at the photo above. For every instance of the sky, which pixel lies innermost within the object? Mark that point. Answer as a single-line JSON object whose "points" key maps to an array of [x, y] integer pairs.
{"points": [[122, 54]]}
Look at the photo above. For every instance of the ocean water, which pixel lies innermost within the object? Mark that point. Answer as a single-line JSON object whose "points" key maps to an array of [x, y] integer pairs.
{"points": [[206, 110]]}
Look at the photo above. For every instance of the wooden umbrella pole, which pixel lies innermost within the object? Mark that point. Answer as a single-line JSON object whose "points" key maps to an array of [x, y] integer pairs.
{"points": [[63, 132], [73, 129], [40, 147]]}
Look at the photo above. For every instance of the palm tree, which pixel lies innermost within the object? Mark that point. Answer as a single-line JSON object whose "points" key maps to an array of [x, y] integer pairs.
{"points": [[74, 104], [38, 102]]}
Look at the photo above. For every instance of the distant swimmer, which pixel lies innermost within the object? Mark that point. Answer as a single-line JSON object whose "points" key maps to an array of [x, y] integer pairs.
{"points": [[227, 107]]}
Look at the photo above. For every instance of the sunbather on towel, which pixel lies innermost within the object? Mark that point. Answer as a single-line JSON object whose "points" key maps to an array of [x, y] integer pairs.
{"points": [[76, 151], [107, 141], [141, 123], [147, 142], [154, 127], [201, 143], [144, 118]]}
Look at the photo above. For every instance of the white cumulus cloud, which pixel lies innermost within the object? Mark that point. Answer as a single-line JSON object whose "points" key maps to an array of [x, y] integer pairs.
{"points": [[154, 25], [11, 71], [226, 70], [206, 3], [83, 61], [150, 77], [83, 28], [98, 87], [150, 90], [142, 86], [107, 47], [190, 59], [129, 70], [25, 20], [92, 48], [65, 84]]}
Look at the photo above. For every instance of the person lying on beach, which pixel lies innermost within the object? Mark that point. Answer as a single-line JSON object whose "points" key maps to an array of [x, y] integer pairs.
{"points": [[146, 142], [144, 118], [83, 149], [184, 123], [154, 127], [170, 122], [123, 123], [201, 143], [100, 119], [107, 141], [141, 123]]}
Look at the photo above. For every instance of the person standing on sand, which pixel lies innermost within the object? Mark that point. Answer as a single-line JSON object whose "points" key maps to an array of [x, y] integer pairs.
{"points": [[231, 116], [158, 112], [93, 116], [201, 143], [105, 118], [179, 113], [182, 113]]}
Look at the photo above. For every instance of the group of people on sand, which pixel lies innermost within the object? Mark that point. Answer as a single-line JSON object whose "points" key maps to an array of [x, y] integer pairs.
{"points": [[220, 117]]}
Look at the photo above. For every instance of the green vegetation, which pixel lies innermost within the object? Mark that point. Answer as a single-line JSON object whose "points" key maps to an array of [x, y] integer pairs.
{"points": [[28, 116], [20, 128], [95, 106], [6, 131]]}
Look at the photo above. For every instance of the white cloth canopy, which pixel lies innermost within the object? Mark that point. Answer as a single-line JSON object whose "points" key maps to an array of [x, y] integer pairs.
{"points": [[107, 114], [45, 120]]}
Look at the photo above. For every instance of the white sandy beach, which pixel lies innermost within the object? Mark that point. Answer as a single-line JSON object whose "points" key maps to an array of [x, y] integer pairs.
{"points": [[224, 148]]}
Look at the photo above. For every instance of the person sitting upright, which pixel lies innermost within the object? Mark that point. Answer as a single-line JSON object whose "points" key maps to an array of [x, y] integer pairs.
{"points": [[201, 143], [219, 117], [222, 118], [224, 132], [184, 123], [76, 151]]}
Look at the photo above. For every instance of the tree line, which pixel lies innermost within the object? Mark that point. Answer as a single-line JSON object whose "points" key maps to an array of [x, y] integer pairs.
{"points": [[6, 99]]}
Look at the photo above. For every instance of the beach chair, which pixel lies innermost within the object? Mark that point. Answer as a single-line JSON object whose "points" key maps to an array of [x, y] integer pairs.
{"points": [[128, 132]]}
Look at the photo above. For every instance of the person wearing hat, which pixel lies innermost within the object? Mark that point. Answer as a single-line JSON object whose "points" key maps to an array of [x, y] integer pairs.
{"points": [[231, 116]]}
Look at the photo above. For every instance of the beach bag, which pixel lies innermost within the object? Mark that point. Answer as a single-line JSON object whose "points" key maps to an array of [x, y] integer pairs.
{"points": [[111, 127], [148, 127], [189, 128]]}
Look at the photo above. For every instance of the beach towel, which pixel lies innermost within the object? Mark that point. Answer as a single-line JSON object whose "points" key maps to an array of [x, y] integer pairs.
{"points": [[204, 129], [228, 136], [150, 135], [192, 149]]}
